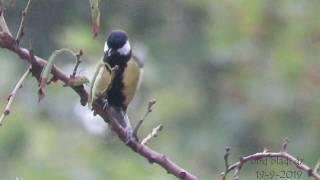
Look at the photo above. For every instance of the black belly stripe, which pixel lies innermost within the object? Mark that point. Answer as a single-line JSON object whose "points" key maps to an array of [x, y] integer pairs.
{"points": [[115, 96]]}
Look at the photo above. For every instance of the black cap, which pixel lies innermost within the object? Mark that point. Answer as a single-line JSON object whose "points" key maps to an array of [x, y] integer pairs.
{"points": [[117, 39]]}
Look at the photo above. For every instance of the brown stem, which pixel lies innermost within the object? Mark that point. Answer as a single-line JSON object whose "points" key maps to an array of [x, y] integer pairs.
{"points": [[20, 32], [226, 161], [78, 61]]}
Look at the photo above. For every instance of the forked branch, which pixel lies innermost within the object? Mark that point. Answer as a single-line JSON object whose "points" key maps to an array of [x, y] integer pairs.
{"points": [[140, 122]]}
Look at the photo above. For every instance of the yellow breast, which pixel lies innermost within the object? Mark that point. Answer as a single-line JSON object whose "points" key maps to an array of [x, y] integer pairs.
{"points": [[131, 80]]}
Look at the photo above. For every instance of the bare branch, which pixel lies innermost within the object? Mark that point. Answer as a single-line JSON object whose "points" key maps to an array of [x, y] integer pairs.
{"points": [[266, 154], [20, 32], [74, 79], [78, 61], [12, 95], [226, 161], [153, 134], [149, 110]]}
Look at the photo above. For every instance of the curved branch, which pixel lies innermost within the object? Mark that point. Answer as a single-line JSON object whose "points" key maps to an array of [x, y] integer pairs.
{"points": [[265, 154], [109, 114]]}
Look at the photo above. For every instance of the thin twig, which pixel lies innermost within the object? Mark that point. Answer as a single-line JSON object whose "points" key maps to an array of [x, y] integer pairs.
{"points": [[78, 61], [12, 95], [47, 71], [153, 134], [140, 122], [20, 32], [226, 161]]}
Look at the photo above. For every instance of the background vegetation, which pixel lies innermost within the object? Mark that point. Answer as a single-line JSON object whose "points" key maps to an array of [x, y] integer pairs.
{"points": [[241, 73]]}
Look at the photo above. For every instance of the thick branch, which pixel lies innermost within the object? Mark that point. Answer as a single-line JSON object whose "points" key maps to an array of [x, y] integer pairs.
{"points": [[7, 42]]}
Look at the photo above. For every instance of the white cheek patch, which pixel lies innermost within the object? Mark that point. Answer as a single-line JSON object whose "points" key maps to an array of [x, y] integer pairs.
{"points": [[106, 47], [125, 50]]}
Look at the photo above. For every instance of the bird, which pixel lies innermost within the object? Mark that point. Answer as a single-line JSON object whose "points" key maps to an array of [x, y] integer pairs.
{"points": [[118, 73]]}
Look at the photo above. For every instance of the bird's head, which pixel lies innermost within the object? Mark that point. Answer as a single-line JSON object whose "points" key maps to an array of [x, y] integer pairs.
{"points": [[117, 45]]}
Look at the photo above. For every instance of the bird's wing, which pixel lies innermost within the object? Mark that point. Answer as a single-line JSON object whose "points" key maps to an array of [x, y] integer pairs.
{"points": [[131, 79], [100, 82]]}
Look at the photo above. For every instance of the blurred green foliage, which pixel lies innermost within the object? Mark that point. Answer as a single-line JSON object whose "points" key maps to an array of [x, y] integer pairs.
{"points": [[241, 73]]}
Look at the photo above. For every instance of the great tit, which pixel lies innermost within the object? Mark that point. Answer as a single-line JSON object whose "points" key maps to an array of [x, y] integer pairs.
{"points": [[118, 74]]}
